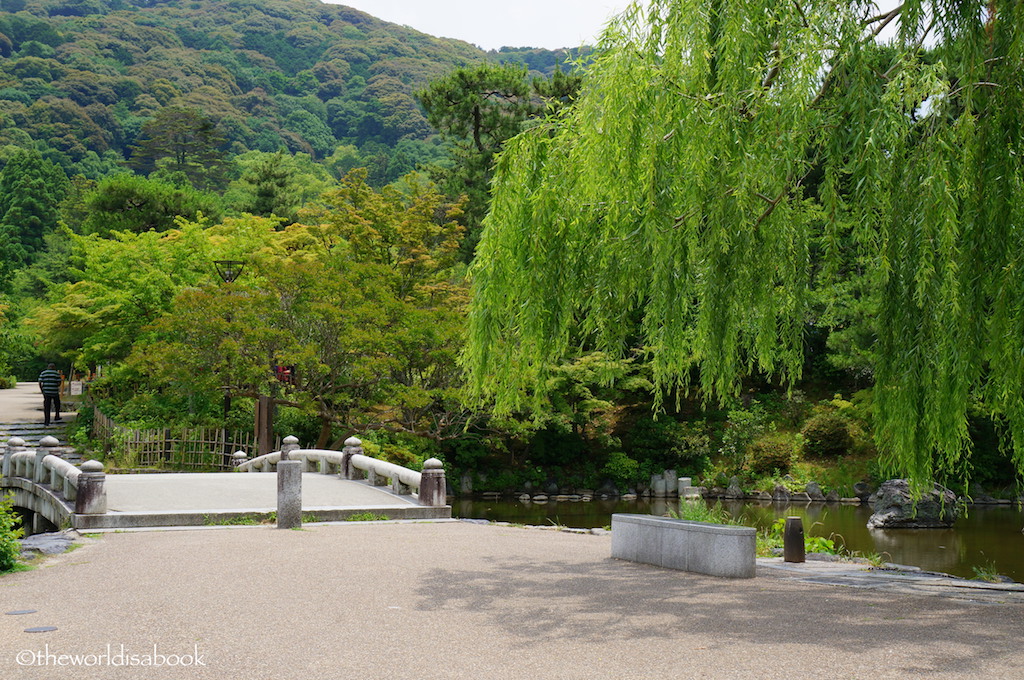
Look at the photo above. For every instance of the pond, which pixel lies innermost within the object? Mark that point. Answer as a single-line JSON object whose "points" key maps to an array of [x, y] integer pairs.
{"points": [[988, 537]]}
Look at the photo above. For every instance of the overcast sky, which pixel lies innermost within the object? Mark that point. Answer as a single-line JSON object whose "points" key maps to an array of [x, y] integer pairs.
{"points": [[491, 24]]}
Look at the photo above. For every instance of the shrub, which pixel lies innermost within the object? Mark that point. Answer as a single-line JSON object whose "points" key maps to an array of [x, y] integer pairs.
{"points": [[665, 443], [622, 470], [8, 382], [826, 435], [772, 453], [10, 532], [743, 427]]}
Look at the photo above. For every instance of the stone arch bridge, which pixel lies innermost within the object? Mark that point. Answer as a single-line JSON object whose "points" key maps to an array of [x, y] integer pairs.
{"points": [[51, 492]]}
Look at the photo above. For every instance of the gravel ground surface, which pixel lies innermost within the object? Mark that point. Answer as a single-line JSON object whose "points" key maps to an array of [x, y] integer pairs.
{"points": [[460, 600]]}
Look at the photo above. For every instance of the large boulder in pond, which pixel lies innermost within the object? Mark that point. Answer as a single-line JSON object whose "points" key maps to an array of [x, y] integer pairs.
{"points": [[895, 507], [735, 491]]}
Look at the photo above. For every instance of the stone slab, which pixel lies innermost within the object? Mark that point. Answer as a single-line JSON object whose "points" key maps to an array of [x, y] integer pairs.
{"points": [[184, 492], [699, 547]]}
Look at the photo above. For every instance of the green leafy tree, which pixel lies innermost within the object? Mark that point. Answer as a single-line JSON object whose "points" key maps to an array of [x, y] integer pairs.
{"points": [[678, 188], [182, 140], [366, 302], [126, 282]]}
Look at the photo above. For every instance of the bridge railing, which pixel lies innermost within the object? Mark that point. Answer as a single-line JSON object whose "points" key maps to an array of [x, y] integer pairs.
{"points": [[82, 489], [350, 463]]}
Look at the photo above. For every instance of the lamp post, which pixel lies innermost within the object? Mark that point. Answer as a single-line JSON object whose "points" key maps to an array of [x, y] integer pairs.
{"points": [[229, 270]]}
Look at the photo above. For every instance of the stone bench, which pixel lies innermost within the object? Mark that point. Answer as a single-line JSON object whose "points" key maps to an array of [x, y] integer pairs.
{"points": [[712, 549]]}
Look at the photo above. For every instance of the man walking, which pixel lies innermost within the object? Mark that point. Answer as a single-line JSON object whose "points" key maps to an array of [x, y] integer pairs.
{"points": [[49, 384]]}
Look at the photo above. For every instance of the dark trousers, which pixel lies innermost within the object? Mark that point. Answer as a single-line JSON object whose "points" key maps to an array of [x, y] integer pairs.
{"points": [[50, 400]]}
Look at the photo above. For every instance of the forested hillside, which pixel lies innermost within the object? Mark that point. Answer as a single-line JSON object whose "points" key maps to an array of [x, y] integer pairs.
{"points": [[80, 78]]}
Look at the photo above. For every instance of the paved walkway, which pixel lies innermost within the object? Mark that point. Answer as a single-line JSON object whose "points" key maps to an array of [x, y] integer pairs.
{"points": [[459, 600], [21, 415], [21, 404], [255, 491]]}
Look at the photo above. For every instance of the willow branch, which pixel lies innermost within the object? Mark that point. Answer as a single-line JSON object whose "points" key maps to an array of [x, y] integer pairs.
{"points": [[884, 15]]}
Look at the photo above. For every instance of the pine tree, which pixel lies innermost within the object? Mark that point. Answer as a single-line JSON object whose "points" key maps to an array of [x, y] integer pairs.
{"points": [[182, 141]]}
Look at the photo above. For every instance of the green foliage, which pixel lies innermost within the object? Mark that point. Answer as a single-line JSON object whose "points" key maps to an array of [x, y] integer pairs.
{"points": [[82, 78], [698, 510], [772, 453], [812, 544], [10, 532], [826, 434], [665, 443], [478, 108], [743, 427], [182, 141], [622, 470], [987, 572], [365, 305], [241, 520], [131, 203], [31, 189], [784, 139], [367, 517], [126, 283]]}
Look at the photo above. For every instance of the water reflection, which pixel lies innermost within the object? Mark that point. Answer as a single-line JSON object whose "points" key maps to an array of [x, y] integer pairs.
{"points": [[987, 536]]}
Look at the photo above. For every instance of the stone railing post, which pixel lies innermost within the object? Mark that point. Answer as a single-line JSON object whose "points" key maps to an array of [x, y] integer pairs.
{"points": [[289, 444], [14, 445], [432, 483], [91, 498], [239, 458], [289, 486], [353, 446], [45, 448]]}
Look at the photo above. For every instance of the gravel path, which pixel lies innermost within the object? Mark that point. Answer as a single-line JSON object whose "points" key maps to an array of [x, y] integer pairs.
{"points": [[460, 600]]}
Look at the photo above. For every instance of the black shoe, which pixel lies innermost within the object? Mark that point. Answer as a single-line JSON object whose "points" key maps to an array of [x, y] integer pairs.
{"points": [[57, 420]]}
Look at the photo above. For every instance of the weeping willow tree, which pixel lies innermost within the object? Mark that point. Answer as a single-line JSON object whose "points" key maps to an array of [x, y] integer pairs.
{"points": [[674, 206]]}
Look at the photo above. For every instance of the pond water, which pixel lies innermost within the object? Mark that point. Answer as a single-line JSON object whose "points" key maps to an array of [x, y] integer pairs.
{"points": [[989, 536]]}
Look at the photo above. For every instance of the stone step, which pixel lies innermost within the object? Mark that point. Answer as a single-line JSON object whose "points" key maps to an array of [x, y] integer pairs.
{"points": [[33, 432]]}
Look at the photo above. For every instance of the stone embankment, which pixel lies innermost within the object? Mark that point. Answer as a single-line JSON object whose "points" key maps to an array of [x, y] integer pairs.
{"points": [[667, 485]]}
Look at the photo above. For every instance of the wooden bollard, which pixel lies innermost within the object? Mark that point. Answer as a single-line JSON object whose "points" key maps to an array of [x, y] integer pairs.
{"points": [[793, 540]]}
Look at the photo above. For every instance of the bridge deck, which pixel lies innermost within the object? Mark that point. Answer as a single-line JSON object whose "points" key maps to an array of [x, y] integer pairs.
{"points": [[183, 499]]}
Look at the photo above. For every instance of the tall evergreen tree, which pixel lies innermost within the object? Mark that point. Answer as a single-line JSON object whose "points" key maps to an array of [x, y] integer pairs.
{"points": [[477, 109], [271, 186], [185, 141], [31, 190]]}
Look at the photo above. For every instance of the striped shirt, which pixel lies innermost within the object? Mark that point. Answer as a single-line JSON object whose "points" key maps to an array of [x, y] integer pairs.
{"points": [[49, 381]]}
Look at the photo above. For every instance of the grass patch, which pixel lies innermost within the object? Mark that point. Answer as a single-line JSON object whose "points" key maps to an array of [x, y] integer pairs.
{"points": [[18, 566], [986, 572], [367, 517], [241, 520]]}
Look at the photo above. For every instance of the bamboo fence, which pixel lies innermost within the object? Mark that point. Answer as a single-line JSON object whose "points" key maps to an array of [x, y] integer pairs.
{"points": [[177, 448]]}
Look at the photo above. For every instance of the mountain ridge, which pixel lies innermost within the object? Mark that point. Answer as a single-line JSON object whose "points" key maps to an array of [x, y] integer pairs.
{"points": [[79, 78]]}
